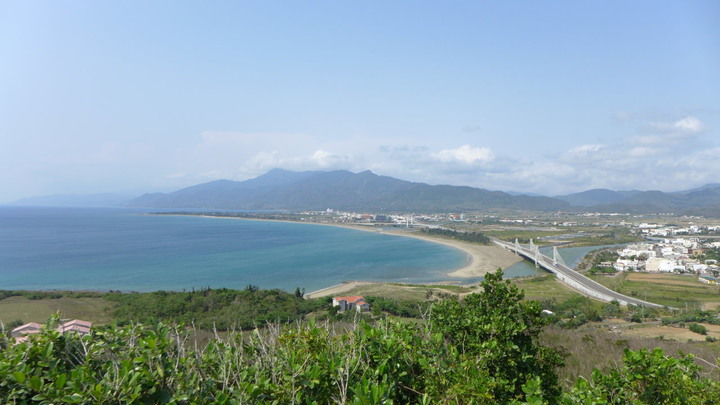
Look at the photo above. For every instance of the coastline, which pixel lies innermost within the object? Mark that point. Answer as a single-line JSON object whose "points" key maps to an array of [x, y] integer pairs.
{"points": [[482, 259]]}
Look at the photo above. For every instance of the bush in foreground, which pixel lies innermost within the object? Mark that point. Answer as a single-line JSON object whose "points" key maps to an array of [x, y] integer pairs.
{"points": [[482, 350]]}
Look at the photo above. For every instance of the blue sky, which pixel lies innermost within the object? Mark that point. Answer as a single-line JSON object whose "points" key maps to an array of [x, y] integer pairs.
{"points": [[544, 97]]}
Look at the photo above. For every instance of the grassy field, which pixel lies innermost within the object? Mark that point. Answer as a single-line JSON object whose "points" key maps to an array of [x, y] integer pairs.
{"points": [[406, 292], [673, 332], [667, 289], [544, 287], [88, 309]]}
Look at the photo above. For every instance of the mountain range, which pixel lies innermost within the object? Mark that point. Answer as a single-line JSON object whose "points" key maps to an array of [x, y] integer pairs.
{"points": [[315, 190], [365, 191], [699, 201], [343, 190]]}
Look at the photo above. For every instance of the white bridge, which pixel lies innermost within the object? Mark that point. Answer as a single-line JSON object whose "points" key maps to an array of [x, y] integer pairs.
{"points": [[570, 277]]}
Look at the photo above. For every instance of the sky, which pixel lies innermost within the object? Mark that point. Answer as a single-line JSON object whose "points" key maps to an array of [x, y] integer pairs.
{"points": [[548, 97]]}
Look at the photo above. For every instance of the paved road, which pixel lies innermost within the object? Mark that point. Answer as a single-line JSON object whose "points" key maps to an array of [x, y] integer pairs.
{"points": [[576, 280]]}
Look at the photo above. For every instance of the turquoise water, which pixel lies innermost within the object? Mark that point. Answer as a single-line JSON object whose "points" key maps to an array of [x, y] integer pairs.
{"points": [[117, 249]]}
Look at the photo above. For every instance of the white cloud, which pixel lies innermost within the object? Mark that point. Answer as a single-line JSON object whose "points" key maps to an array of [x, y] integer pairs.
{"points": [[650, 161], [325, 159], [318, 160], [687, 125], [670, 133], [466, 154], [584, 152], [644, 151]]}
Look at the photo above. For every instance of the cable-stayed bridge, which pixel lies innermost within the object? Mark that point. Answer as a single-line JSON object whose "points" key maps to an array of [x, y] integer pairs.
{"points": [[570, 277]]}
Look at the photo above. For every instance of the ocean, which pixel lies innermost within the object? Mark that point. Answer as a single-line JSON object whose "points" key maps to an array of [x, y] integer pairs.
{"points": [[121, 249]]}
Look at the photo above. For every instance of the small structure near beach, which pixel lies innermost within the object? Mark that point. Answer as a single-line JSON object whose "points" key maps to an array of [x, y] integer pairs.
{"points": [[76, 326], [356, 301]]}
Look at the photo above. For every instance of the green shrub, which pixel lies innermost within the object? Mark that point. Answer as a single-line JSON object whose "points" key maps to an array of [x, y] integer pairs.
{"points": [[697, 328]]}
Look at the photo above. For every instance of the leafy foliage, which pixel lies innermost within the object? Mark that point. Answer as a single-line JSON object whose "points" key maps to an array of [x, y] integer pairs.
{"points": [[647, 377], [576, 311], [710, 317], [38, 295], [482, 350], [697, 328], [403, 308], [497, 331], [220, 309]]}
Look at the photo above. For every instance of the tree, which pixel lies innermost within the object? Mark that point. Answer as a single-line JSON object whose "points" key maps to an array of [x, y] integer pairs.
{"points": [[500, 330], [647, 377]]}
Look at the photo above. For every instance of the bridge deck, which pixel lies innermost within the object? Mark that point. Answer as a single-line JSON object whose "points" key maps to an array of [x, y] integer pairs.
{"points": [[573, 279]]}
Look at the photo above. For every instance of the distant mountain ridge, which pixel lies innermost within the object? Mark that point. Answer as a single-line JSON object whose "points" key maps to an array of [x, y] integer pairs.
{"points": [[596, 196], [316, 190], [285, 190], [365, 191], [703, 200]]}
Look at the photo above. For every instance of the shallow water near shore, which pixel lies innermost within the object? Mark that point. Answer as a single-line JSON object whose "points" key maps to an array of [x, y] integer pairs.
{"points": [[118, 249]]}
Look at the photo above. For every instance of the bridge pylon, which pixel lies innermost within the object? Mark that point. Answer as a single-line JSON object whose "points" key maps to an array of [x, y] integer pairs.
{"points": [[537, 256], [557, 258], [517, 246]]}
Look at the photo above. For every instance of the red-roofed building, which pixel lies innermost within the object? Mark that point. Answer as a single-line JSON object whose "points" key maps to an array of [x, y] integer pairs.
{"points": [[355, 301], [27, 329], [76, 325]]}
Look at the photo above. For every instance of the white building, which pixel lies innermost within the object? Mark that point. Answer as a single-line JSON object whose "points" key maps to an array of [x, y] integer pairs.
{"points": [[658, 264]]}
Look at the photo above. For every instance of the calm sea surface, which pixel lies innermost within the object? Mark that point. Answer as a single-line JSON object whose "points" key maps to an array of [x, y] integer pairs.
{"points": [[104, 249]]}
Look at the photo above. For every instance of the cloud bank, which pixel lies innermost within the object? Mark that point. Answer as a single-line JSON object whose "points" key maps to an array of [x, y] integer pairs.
{"points": [[668, 155]]}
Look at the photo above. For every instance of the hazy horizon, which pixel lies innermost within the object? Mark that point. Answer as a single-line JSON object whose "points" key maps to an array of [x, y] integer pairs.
{"points": [[129, 195], [544, 98]]}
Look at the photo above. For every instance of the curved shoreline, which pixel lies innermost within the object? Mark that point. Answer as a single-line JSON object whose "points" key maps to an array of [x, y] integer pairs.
{"points": [[482, 259]]}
